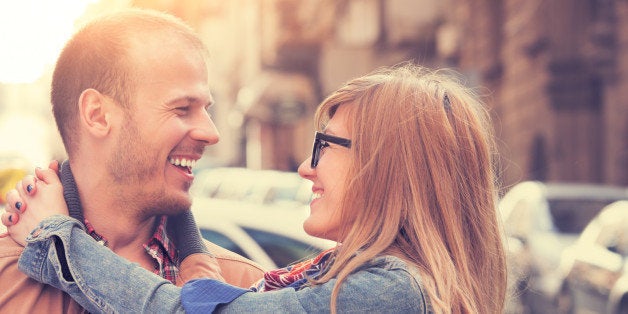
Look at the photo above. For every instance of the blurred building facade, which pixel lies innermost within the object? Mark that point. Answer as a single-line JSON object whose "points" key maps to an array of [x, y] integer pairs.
{"points": [[559, 75], [553, 73]]}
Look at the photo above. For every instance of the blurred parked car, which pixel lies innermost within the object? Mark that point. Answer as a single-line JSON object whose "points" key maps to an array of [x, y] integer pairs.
{"points": [[596, 267], [272, 236], [257, 186], [541, 220]]}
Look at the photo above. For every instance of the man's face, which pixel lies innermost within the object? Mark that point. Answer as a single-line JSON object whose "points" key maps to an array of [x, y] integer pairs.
{"points": [[166, 129]]}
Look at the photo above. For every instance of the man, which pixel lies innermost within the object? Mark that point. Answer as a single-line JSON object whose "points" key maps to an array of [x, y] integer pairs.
{"points": [[130, 98]]}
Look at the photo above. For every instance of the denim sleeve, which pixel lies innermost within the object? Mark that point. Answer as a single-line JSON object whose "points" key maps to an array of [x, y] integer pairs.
{"points": [[370, 290], [61, 254]]}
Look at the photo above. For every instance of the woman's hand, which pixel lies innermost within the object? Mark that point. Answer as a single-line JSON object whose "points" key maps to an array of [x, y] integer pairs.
{"points": [[32, 200]]}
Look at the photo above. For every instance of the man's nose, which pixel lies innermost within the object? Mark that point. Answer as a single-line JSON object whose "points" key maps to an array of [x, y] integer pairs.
{"points": [[205, 130]]}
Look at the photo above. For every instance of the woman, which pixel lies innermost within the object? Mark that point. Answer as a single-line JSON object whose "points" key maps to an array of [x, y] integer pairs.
{"points": [[402, 178]]}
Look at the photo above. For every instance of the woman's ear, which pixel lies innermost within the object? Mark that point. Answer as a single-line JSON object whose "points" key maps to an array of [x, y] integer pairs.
{"points": [[94, 112]]}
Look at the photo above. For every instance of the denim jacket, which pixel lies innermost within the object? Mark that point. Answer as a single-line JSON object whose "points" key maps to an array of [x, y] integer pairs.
{"points": [[61, 254]]}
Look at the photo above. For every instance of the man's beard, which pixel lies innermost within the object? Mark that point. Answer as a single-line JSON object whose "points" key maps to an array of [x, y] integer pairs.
{"points": [[162, 204], [132, 165]]}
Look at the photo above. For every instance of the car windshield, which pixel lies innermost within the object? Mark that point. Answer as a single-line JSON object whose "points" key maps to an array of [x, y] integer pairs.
{"points": [[571, 216]]}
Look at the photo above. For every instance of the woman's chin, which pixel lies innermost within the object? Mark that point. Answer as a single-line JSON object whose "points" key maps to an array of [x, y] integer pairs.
{"points": [[315, 230]]}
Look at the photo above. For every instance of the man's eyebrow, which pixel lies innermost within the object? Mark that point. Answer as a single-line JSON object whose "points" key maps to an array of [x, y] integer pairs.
{"points": [[191, 100]]}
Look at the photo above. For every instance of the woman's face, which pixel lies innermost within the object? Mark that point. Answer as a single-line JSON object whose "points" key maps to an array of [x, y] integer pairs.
{"points": [[328, 179]]}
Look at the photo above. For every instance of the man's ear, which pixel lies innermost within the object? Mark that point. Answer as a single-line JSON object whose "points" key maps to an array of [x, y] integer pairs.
{"points": [[94, 112]]}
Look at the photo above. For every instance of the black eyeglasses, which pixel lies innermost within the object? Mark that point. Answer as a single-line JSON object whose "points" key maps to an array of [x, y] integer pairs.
{"points": [[322, 140]]}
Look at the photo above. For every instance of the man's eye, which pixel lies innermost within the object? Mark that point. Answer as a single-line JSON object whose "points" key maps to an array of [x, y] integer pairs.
{"points": [[182, 109]]}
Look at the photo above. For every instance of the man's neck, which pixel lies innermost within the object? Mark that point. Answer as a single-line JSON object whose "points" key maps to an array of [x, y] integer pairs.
{"points": [[112, 217], [121, 231]]}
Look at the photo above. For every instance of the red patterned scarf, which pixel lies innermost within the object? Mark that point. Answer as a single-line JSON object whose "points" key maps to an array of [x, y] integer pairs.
{"points": [[295, 276]]}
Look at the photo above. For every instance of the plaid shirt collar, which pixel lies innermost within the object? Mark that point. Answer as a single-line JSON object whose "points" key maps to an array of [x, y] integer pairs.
{"points": [[159, 248]]}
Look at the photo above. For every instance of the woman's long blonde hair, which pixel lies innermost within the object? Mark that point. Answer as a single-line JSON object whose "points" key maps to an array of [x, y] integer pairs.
{"points": [[421, 186]]}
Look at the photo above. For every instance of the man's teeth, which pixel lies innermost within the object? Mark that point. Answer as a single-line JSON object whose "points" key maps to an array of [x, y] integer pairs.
{"points": [[182, 162], [316, 195]]}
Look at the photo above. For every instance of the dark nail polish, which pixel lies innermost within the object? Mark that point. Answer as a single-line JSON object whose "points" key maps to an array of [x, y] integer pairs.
{"points": [[11, 218], [18, 205], [29, 188]]}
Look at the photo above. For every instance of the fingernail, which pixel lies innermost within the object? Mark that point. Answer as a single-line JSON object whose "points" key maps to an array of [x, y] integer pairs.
{"points": [[18, 205], [11, 218], [29, 188]]}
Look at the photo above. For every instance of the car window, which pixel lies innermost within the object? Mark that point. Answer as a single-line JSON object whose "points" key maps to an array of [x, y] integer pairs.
{"points": [[571, 216], [282, 250], [223, 241]]}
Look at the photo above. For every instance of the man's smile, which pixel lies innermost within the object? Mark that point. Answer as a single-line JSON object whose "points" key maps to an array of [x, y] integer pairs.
{"points": [[184, 164]]}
